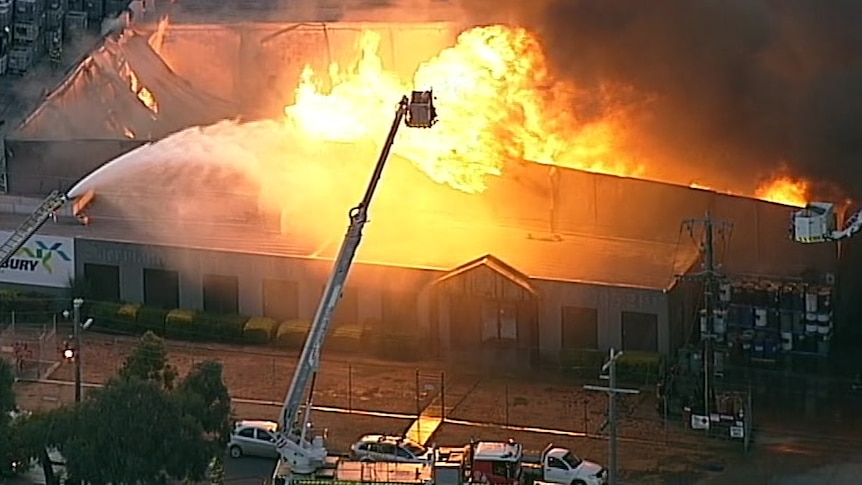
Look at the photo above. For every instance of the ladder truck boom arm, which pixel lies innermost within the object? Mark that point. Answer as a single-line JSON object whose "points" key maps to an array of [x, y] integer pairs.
{"points": [[818, 222], [416, 112], [34, 221]]}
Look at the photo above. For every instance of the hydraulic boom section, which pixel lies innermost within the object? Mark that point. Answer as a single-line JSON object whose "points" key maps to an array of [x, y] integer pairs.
{"points": [[818, 223], [303, 456]]}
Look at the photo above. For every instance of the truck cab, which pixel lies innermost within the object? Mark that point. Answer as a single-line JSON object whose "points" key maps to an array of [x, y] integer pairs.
{"points": [[495, 463], [561, 466]]}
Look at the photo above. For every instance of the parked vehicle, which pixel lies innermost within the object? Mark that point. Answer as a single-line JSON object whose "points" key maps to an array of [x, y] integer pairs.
{"points": [[561, 466], [496, 463], [389, 448], [253, 438]]}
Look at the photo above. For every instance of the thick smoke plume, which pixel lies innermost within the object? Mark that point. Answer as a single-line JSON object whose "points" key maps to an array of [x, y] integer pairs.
{"points": [[741, 87]]}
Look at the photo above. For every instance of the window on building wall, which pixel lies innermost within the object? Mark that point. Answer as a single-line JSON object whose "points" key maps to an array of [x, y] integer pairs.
{"points": [[161, 288], [399, 310], [499, 321], [580, 328], [103, 281], [221, 293], [640, 331], [281, 299]]}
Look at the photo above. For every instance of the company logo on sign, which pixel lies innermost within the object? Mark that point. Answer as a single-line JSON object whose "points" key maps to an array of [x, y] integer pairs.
{"points": [[41, 261], [27, 259]]}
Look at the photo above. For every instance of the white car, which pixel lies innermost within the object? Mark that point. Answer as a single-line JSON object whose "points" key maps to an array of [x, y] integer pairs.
{"points": [[561, 466], [388, 448], [253, 438]]}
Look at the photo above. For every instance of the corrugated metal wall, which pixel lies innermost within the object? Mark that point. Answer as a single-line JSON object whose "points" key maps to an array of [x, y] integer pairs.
{"points": [[372, 282]]}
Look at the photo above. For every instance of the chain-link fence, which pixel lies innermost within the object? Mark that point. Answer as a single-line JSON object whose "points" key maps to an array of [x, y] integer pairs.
{"points": [[31, 347]]}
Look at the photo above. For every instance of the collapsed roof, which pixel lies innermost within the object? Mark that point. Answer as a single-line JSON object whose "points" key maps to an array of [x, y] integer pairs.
{"points": [[121, 90]]}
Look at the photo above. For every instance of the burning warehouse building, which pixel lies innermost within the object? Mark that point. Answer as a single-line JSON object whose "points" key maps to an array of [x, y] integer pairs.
{"points": [[517, 261]]}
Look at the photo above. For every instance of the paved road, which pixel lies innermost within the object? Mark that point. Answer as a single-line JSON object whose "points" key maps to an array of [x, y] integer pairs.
{"points": [[247, 470]]}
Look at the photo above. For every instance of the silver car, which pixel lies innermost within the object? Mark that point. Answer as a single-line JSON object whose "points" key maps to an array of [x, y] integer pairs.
{"points": [[253, 438], [387, 448]]}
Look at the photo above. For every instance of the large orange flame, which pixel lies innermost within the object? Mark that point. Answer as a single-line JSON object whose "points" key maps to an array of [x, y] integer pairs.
{"points": [[498, 103], [785, 190]]}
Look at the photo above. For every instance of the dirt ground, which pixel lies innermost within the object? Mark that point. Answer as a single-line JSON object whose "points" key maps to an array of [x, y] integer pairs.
{"points": [[650, 451], [403, 389], [253, 373], [642, 463]]}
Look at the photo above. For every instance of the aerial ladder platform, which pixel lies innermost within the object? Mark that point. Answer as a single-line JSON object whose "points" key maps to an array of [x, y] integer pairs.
{"points": [[299, 455], [817, 222], [34, 221]]}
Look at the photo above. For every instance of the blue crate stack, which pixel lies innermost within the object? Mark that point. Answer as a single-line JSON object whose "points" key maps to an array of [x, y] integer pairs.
{"points": [[760, 321]]}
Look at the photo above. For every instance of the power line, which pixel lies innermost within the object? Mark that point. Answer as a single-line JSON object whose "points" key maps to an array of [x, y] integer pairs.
{"points": [[710, 278]]}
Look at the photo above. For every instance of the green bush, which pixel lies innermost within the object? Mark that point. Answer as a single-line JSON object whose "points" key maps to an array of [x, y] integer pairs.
{"points": [[32, 307], [291, 335], [151, 319], [345, 338], [220, 328], [259, 330], [181, 324], [402, 347], [106, 316], [638, 367], [582, 363], [127, 317], [7, 304]]}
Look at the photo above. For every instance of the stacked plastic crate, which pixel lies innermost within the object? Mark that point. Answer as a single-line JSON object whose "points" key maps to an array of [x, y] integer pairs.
{"points": [[5, 34], [28, 30], [95, 11], [760, 320], [76, 19], [54, 27]]}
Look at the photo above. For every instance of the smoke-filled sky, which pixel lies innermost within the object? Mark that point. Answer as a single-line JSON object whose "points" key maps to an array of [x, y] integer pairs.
{"points": [[727, 83]]}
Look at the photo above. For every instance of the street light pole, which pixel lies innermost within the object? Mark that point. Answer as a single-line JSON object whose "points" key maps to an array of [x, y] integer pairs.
{"points": [[76, 307]]}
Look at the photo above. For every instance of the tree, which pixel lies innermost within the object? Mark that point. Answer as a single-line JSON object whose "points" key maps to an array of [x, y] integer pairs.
{"points": [[7, 392], [139, 428], [203, 394], [8, 453], [148, 361], [133, 431]]}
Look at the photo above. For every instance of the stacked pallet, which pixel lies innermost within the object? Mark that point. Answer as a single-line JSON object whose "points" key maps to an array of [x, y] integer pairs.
{"points": [[55, 28], [28, 34], [30, 28], [5, 34]]}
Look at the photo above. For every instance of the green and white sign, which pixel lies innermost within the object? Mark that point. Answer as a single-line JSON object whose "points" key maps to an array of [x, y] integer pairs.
{"points": [[42, 261]]}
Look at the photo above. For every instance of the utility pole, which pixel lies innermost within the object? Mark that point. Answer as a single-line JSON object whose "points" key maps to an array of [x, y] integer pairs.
{"points": [[76, 308], [710, 277], [611, 368]]}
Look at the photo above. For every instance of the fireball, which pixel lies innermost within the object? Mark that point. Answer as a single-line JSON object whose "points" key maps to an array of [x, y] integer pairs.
{"points": [[498, 104]]}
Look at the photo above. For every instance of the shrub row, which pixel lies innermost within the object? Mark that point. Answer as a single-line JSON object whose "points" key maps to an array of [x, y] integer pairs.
{"points": [[632, 367], [174, 324], [189, 325], [28, 306]]}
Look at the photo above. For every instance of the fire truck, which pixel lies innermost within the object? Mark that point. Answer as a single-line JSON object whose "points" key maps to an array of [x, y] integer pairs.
{"points": [[303, 452], [484, 462]]}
